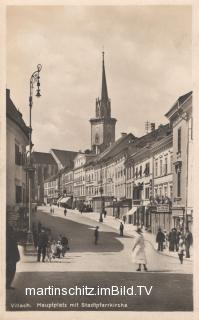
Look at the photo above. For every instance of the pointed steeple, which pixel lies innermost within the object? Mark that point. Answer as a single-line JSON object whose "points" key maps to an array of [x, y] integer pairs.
{"points": [[104, 93]]}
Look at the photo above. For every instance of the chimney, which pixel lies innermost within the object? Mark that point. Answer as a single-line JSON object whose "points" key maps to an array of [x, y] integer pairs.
{"points": [[123, 134], [152, 126]]}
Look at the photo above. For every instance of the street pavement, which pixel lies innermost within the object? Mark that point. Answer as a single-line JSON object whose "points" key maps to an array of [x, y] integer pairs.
{"points": [[108, 263]]}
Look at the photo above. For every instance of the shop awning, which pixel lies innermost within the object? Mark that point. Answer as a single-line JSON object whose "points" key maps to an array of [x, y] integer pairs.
{"points": [[65, 200], [131, 212], [59, 199]]}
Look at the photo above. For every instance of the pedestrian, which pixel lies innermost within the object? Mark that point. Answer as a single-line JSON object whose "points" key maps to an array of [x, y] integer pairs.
{"points": [[121, 229], [105, 213], [65, 246], [12, 256], [138, 250], [96, 235], [178, 234], [165, 239], [188, 242], [173, 240], [65, 211], [39, 227], [42, 244], [160, 238], [181, 249]]}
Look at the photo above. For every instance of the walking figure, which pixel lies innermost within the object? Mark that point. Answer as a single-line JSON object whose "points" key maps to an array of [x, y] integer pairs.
{"points": [[105, 213], [121, 229], [138, 255], [160, 238], [65, 211], [188, 242], [181, 249], [96, 235], [42, 244]]}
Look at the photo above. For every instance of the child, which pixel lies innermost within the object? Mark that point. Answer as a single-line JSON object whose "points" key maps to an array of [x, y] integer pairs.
{"points": [[181, 249]]}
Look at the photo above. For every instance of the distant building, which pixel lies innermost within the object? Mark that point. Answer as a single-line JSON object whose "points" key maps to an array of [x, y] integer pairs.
{"points": [[56, 185], [102, 126], [181, 120], [17, 139], [45, 167]]}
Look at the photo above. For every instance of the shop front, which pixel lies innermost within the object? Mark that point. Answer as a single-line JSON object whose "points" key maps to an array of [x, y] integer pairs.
{"points": [[161, 217]]}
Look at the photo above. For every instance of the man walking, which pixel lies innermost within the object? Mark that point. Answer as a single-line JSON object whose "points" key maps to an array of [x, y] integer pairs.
{"points": [[96, 235], [188, 242], [121, 229], [42, 244], [160, 238]]}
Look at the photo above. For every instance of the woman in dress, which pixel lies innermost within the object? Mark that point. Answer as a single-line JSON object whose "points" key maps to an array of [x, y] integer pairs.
{"points": [[138, 254]]}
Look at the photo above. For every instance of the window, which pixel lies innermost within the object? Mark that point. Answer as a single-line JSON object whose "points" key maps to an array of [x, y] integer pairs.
{"points": [[165, 191], [179, 140], [171, 168], [171, 192], [17, 155], [161, 167], [178, 184], [18, 194], [147, 193], [156, 168], [147, 169], [140, 172], [166, 166]]}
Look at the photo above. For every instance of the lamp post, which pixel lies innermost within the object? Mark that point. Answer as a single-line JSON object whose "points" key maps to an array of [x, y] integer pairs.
{"points": [[33, 79]]}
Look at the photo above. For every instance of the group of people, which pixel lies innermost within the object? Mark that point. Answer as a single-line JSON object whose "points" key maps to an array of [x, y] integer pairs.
{"points": [[47, 247], [178, 241]]}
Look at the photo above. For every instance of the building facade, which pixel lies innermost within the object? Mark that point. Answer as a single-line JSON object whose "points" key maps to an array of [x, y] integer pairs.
{"points": [[181, 121], [16, 176], [45, 167]]}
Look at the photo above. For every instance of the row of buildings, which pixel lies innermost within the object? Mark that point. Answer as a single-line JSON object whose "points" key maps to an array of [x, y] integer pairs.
{"points": [[143, 180]]}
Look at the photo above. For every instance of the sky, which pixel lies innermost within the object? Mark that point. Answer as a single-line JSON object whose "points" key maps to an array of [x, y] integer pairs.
{"points": [[147, 61]]}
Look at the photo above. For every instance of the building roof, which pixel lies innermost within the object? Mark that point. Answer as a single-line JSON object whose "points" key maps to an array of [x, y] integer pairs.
{"points": [[65, 157], [178, 103], [150, 138], [43, 158], [119, 145], [15, 115]]}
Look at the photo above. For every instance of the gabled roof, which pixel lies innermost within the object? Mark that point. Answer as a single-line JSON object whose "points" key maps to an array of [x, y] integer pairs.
{"points": [[150, 138], [43, 158], [119, 145], [64, 156], [178, 103], [13, 114]]}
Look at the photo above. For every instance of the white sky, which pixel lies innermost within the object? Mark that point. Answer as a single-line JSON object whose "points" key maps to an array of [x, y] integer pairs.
{"points": [[147, 60]]}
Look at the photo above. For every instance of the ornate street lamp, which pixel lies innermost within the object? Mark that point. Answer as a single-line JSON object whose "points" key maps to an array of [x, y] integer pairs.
{"points": [[101, 190], [33, 79]]}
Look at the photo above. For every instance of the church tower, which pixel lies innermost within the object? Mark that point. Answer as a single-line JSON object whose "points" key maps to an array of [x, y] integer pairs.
{"points": [[102, 126]]}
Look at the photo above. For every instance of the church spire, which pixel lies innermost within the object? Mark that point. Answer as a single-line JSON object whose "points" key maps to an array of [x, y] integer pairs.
{"points": [[104, 94]]}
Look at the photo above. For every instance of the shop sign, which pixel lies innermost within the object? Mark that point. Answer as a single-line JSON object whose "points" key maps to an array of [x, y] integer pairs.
{"points": [[163, 208]]}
